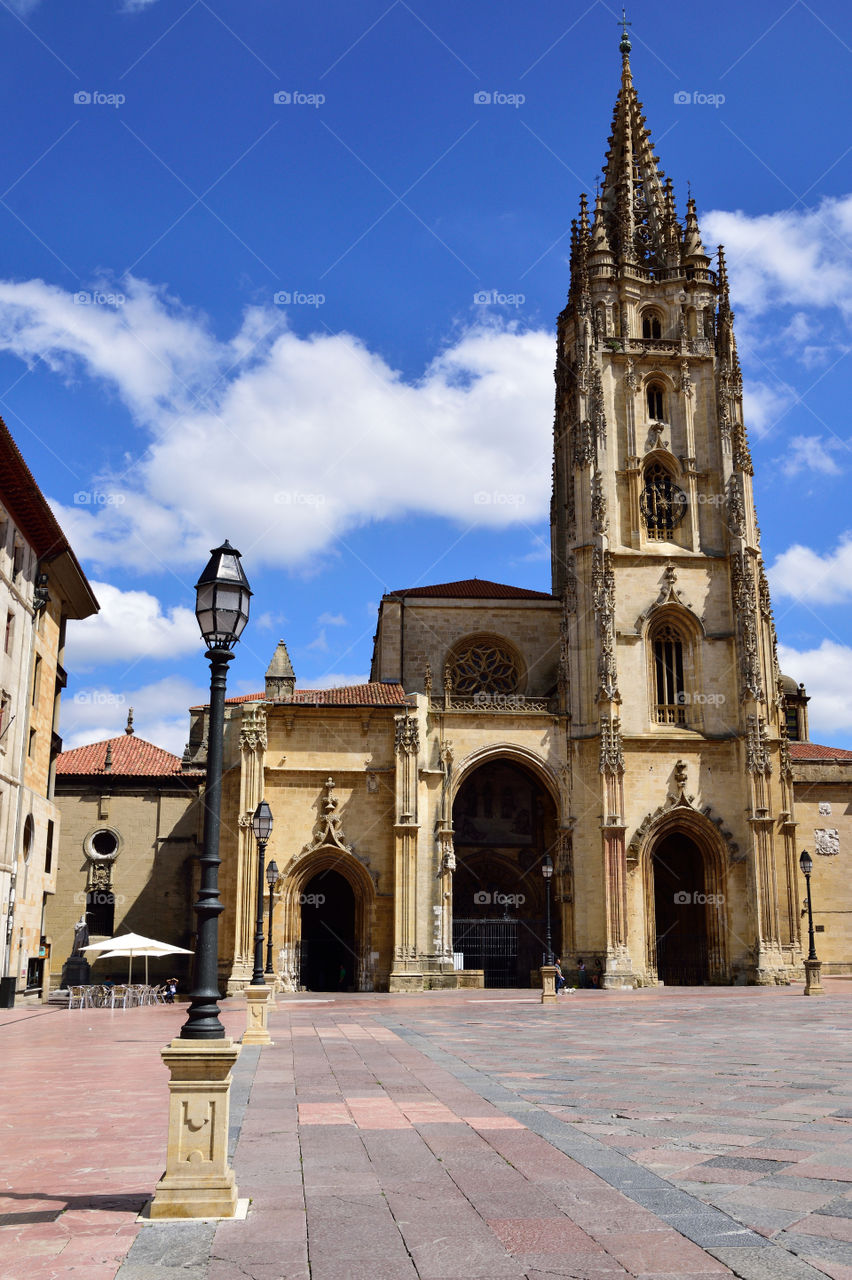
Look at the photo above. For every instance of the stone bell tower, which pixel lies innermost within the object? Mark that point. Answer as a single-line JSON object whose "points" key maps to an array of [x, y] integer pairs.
{"points": [[669, 668]]}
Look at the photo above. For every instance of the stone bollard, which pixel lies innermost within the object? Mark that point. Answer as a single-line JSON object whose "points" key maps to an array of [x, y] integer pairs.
{"points": [[257, 1014], [813, 985], [548, 984], [198, 1182]]}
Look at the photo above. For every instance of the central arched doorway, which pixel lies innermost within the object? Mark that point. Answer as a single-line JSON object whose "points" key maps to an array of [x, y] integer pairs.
{"points": [[328, 957], [680, 912], [504, 822]]}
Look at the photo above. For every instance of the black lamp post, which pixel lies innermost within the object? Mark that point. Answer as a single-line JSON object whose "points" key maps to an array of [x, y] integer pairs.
{"points": [[813, 967], [547, 872], [261, 825], [271, 877], [222, 610], [806, 863]]}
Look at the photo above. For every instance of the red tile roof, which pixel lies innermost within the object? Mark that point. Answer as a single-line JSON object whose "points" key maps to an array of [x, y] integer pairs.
{"points": [[475, 589], [131, 757], [813, 751], [375, 694]]}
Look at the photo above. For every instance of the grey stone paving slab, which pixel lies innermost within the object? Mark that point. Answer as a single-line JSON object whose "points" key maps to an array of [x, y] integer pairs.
{"points": [[840, 1208], [770, 1263], [752, 1164], [793, 1183], [817, 1246], [166, 1245]]}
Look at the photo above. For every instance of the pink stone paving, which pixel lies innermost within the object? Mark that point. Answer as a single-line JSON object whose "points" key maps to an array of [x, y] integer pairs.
{"points": [[364, 1157]]}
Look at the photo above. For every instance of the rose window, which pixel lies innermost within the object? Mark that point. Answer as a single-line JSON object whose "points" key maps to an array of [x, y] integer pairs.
{"points": [[483, 666]]}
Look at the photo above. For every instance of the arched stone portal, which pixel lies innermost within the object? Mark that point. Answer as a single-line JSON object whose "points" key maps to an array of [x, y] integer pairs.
{"points": [[504, 821], [685, 902], [324, 922]]}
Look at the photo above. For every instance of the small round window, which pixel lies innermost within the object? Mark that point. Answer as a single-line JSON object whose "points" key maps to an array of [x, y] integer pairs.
{"points": [[102, 845]]}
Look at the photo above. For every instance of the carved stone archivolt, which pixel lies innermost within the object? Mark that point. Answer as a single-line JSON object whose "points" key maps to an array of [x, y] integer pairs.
{"points": [[679, 800]]}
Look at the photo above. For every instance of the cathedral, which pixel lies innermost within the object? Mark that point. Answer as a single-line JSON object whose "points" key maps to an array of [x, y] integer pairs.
{"points": [[607, 771]]}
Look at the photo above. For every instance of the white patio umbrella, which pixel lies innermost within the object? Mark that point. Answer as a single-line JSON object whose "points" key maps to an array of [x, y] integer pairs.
{"points": [[134, 944]]}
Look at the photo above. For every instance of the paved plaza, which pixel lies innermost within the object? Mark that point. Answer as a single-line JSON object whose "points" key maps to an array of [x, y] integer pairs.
{"points": [[655, 1133]]}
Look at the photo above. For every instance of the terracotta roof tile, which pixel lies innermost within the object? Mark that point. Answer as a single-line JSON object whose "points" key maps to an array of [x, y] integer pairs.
{"points": [[813, 751], [475, 589], [131, 757], [377, 693]]}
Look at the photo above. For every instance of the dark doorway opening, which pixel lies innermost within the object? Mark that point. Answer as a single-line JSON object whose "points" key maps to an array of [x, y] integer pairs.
{"points": [[505, 823], [328, 960], [680, 909]]}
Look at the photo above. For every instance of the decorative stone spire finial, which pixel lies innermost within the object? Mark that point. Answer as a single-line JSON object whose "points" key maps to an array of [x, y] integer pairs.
{"points": [[280, 676], [128, 728], [108, 759]]}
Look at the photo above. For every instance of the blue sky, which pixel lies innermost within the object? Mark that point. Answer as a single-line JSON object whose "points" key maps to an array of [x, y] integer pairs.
{"points": [[241, 248]]}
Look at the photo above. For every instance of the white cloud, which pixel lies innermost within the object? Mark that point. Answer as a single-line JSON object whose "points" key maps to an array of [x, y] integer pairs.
{"points": [[320, 643], [765, 406], [333, 681], [332, 620], [131, 625], [799, 258], [160, 713], [284, 443], [826, 673], [811, 453], [804, 575]]}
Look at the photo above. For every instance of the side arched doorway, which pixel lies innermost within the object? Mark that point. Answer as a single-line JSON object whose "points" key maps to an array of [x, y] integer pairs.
{"points": [[681, 904], [504, 821], [323, 926], [328, 958]]}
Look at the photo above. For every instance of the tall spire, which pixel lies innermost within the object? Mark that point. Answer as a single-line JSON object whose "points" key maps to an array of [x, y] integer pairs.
{"points": [[633, 195]]}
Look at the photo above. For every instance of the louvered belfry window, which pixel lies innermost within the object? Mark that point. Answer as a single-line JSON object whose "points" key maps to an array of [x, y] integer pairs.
{"points": [[668, 675]]}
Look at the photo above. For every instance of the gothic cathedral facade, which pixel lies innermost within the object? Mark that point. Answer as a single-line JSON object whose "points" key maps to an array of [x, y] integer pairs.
{"points": [[628, 729]]}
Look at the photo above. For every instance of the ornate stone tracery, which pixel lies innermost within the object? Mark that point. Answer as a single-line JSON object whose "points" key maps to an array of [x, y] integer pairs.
{"points": [[483, 666], [328, 831], [612, 746], [603, 595]]}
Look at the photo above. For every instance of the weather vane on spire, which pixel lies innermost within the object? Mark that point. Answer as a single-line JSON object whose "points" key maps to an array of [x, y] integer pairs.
{"points": [[625, 45]]}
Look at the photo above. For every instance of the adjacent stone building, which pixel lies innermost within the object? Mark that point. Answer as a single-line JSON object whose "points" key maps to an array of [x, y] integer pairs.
{"points": [[41, 587], [131, 824]]}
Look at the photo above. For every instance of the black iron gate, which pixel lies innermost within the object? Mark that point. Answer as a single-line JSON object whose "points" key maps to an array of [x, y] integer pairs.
{"points": [[508, 950]]}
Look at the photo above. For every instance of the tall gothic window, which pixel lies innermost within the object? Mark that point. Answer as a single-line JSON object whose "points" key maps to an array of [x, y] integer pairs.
{"points": [[662, 504], [656, 402], [652, 326], [668, 676]]}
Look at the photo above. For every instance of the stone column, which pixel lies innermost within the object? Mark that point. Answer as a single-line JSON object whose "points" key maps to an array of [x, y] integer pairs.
{"points": [[406, 974]]}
